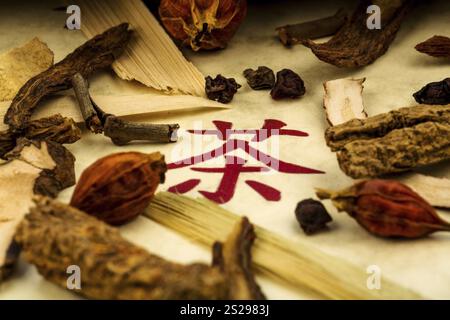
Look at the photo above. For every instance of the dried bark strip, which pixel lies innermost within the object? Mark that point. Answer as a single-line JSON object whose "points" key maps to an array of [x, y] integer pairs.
{"points": [[32, 168], [437, 46], [295, 33], [55, 235], [55, 128], [399, 150], [97, 53], [355, 45], [378, 126]]}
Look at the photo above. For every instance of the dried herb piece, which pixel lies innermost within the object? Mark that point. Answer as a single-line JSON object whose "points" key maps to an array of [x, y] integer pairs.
{"points": [[380, 125], [221, 89], [437, 46], [312, 216], [120, 131], [355, 45], [97, 53], [55, 128], [118, 187], [54, 236], [293, 34], [289, 85], [39, 167], [261, 78], [207, 24], [434, 93], [343, 100], [387, 208]]}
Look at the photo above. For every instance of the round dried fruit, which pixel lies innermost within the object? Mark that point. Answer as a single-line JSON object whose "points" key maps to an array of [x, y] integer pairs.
{"points": [[312, 215], [118, 187]]}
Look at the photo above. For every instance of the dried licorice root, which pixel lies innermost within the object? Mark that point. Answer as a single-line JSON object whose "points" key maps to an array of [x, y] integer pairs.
{"points": [[312, 216], [434, 93], [97, 53], [54, 236], [378, 126], [260, 79], [289, 85], [221, 89]]}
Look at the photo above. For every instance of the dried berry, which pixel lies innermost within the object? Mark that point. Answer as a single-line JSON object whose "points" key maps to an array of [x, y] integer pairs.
{"points": [[118, 187], [260, 79], [434, 93], [203, 24], [312, 215], [387, 208], [288, 85], [221, 89]]}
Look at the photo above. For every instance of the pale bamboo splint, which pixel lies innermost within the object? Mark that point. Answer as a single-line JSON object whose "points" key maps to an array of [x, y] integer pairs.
{"points": [[293, 262], [151, 58], [121, 106]]}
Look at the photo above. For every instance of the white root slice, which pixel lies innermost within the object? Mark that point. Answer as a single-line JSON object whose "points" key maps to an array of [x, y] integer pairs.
{"points": [[435, 190], [20, 64], [343, 100], [292, 262]]}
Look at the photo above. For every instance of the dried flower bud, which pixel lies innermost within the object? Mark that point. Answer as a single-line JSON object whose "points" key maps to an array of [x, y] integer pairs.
{"points": [[118, 187], [387, 208], [312, 216], [202, 24], [221, 89]]}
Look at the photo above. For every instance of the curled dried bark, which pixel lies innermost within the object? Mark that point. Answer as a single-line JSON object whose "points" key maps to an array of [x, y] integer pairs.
{"points": [[355, 45], [55, 128], [54, 236], [33, 167], [97, 53], [295, 33], [437, 46]]}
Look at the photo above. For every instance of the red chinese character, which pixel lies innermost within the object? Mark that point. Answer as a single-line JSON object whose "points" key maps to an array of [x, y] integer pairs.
{"points": [[234, 166]]}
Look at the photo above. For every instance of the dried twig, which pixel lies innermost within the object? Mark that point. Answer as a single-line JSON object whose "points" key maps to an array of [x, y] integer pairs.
{"points": [[80, 86], [293, 34]]}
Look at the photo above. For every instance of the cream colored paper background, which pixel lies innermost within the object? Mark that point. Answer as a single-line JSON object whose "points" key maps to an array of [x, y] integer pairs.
{"points": [[422, 265]]}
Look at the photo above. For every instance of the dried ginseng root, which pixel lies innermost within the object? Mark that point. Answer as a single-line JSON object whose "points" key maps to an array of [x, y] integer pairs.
{"points": [[387, 208], [54, 236], [355, 45], [434, 93], [117, 188], [437, 46], [97, 53]]}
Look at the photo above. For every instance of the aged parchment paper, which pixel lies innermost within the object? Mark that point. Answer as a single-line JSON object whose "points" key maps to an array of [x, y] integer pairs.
{"points": [[422, 265]]}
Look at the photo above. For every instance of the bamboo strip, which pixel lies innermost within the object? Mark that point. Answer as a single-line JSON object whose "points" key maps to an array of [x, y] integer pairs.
{"points": [[293, 262], [121, 106], [151, 58]]}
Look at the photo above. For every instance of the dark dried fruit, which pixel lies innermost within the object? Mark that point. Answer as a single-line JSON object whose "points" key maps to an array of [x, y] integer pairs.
{"points": [[434, 93], [260, 79], [289, 85], [387, 208], [221, 89], [437, 46], [312, 215]]}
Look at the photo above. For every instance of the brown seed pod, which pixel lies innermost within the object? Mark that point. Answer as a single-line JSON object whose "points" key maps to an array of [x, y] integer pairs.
{"points": [[118, 187], [387, 208], [202, 24]]}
